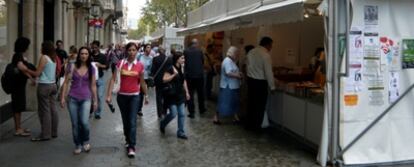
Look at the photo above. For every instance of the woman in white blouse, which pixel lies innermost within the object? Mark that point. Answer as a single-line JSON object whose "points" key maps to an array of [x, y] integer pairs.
{"points": [[229, 97]]}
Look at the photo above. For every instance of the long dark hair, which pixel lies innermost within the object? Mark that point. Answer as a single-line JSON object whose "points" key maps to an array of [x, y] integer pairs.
{"points": [[20, 46], [48, 48], [78, 62]]}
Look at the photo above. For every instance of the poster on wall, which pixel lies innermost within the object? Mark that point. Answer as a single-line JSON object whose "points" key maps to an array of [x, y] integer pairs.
{"points": [[355, 45], [353, 82], [390, 53], [407, 53], [371, 15], [393, 91]]}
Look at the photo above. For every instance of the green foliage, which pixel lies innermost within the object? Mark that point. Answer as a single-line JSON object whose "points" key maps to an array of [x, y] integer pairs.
{"points": [[164, 13]]}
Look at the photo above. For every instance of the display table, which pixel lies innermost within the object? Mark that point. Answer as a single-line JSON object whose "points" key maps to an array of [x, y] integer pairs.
{"points": [[300, 115]]}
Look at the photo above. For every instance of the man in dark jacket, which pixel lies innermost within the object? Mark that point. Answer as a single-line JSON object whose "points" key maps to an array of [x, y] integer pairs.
{"points": [[194, 72], [157, 62]]}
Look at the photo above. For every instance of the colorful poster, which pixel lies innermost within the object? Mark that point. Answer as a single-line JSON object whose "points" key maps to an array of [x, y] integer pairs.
{"points": [[390, 53], [407, 53], [393, 90], [351, 100]]}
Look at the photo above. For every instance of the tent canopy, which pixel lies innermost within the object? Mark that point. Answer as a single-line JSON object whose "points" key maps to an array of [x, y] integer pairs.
{"points": [[219, 15]]}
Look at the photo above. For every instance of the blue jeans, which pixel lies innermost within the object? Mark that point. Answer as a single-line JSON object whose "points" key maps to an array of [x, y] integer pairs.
{"points": [[129, 108], [79, 115], [100, 86], [174, 109]]}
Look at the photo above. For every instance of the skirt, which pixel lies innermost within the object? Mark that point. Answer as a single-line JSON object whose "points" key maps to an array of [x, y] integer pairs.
{"points": [[228, 101]]}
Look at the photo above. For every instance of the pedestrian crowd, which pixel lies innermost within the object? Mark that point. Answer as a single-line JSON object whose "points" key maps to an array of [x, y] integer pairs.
{"points": [[76, 81]]}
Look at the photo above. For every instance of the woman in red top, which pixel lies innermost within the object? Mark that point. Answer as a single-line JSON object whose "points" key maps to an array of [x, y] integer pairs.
{"points": [[132, 78]]}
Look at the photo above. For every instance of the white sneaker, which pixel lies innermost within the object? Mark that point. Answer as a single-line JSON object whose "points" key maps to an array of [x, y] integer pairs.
{"points": [[131, 153], [87, 147], [77, 151]]}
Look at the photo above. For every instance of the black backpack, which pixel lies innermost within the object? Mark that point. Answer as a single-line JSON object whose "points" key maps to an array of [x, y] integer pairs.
{"points": [[7, 78]]}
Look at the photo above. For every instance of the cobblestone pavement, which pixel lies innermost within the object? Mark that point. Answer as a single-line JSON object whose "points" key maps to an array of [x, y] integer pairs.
{"points": [[208, 145]]}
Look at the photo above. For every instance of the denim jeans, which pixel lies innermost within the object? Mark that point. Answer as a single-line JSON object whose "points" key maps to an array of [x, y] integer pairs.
{"points": [[129, 109], [79, 116], [100, 86], [174, 109]]}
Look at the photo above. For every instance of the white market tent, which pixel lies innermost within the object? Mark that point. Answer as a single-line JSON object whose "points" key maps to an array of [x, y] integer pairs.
{"points": [[363, 122], [169, 38]]}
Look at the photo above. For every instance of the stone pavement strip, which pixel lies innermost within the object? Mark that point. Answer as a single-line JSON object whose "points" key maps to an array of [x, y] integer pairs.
{"points": [[208, 145]]}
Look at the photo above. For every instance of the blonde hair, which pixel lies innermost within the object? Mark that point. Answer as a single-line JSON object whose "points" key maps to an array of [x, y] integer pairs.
{"points": [[231, 51]]}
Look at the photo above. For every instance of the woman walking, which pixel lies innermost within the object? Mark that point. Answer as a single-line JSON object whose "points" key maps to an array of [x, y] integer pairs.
{"points": [[18, 95], [81, 77], [131, 80], [176, 96], [229, 98], [46, 93]]}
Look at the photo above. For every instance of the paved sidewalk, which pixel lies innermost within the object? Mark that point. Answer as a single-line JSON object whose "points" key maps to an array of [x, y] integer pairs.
{"points": [[208, 145]]}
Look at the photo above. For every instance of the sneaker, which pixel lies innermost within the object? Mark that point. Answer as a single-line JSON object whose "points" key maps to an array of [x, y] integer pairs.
{"points": [[77, 151], [131, 152], [97, 117], [184, 137], [87, 147]]}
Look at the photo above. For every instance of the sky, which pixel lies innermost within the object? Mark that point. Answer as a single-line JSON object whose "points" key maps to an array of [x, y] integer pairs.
{"points": [[134, 11]]}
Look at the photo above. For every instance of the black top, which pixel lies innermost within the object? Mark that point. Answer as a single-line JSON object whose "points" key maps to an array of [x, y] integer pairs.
{"points": [[101, 59], [20, 79], [156, 63], [178, 85], [194, 62]]}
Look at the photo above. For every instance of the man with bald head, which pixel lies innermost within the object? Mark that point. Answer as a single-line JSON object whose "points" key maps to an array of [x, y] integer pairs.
{"points": [[194, 73]]}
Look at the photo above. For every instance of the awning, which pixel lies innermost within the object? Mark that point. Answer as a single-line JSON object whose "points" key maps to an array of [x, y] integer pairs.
{"points": [[264, 14]]}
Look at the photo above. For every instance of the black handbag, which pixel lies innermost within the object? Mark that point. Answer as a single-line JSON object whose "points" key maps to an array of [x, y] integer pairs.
{"points": [[168, 89]]}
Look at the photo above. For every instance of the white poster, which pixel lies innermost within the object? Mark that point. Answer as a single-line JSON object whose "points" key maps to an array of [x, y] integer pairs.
{"points": [[356, 50], [393, 90], [371, 15]]}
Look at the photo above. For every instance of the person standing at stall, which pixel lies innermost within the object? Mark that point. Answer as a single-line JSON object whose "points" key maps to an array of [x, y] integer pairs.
{"points": [[99, 60], [194, 70], [229, 97], [259, 80], [131, 80]]}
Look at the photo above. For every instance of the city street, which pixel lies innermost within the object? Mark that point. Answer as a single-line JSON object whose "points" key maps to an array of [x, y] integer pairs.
{"points": [[208, 144]]}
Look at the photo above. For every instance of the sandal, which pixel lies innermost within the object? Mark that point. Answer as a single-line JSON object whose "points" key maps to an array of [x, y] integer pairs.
{"points": [[37, 139], [22, 134]]}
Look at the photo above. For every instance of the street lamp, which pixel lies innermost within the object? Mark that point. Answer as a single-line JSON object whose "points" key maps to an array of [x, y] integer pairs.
{"points": [[95, 12]]}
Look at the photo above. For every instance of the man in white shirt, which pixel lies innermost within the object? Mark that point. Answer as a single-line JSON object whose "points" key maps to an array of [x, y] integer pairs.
{"points": [[259, 80]]}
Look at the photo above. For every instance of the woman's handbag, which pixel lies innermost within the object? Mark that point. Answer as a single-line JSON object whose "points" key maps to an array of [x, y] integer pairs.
{"points": [[168, 89], [117, 83]]}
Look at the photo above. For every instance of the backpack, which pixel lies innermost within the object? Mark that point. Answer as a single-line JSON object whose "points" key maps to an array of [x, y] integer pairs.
{"points": [[7, 78]]}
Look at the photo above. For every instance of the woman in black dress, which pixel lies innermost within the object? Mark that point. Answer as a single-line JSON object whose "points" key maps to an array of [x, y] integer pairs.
{"points": [[18, 95]]}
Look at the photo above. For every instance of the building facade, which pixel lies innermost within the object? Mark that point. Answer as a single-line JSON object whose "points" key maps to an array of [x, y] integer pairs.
{"points": [[68, 20]]}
